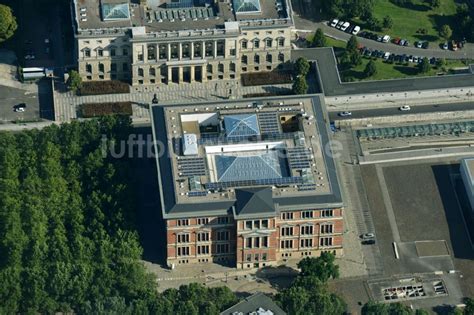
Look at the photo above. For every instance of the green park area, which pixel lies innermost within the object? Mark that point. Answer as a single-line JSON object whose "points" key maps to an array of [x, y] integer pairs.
{"points": [[416, 21], [387, 70]]}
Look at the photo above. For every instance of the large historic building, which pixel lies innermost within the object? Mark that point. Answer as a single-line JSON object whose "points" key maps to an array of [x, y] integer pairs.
{"points": [[163, 41], [249, 182]]}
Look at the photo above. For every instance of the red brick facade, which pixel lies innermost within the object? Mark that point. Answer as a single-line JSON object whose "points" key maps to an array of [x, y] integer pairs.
{"points": [[257, 242]]}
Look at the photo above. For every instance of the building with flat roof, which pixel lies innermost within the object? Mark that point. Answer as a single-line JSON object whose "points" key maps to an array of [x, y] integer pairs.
{"points": [[162, 41], [256, 304], [467, 174], [255, 186]]}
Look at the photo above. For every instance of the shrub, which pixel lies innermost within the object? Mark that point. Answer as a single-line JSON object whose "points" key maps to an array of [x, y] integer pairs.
{"points": [[274, 77], [103, 87], [101, 109]]}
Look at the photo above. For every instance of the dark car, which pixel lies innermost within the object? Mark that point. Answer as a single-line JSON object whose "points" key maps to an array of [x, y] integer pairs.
{"points": [[425, 45], [432, 60], [368, 242], [367, 52], [350, 29], [406, 43], [363, 34], [380, 54], [375, 53]]}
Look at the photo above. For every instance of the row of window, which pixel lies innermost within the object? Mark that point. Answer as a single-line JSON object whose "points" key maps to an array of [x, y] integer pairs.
{"points": [[256, 242], [201, 221], [185, 50], [203, 250], [256, 224], [101, 67], [307, 230], [204, 236], [306, 243], [308, 214], [256, 58], [100, 52], [244, 44], [256, 257]]}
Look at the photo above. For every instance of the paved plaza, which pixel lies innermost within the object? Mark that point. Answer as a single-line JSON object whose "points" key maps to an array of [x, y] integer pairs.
{"points": [[66, 103]]}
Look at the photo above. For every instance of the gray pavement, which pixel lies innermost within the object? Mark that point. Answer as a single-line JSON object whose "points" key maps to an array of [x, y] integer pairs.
{"points": [[10, 97], [332, 85]]}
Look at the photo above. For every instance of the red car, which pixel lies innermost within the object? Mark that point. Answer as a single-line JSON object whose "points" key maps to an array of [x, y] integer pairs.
{"points": [[396, 41]]}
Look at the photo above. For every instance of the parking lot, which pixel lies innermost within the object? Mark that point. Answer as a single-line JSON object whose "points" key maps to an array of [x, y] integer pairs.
{"points": [[415, 206]]}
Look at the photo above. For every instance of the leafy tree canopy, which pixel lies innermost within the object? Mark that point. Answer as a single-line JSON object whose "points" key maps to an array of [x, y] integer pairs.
{"points": [[8, 23]]}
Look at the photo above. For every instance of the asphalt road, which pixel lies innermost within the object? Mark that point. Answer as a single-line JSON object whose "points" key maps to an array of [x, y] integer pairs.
{"points": [[392, 111], [10, 97]]}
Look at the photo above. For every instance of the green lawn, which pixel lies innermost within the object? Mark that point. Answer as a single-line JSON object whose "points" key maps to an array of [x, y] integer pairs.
{"points": [[395, 71], [407, 21]]}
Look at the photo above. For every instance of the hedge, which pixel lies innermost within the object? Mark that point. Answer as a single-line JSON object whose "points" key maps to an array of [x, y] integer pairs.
{"points": [[103, 87], [101, 109], [263, 78]]}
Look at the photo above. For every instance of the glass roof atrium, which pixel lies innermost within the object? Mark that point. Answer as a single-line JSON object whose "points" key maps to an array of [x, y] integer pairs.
{"points": [[115, 12], [247, 6], [254, 166], [241, 125]]}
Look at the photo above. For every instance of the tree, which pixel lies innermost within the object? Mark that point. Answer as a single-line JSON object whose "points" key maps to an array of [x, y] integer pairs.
{"points": [[302, 66], [300, 86], [319, 39], [356, 58], [434, 3], [445, 32], [8, 24], [440, 62], [469, 309], [424, 66], [374, 24], [74, 81], [370, 69], [352, 44], [387, 22], [322, 267]]}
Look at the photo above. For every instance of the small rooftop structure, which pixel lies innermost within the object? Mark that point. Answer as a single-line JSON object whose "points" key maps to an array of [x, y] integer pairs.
{"points": [[247, 6], [256, 304], [190, 146], [241, 125], [115, 11]]}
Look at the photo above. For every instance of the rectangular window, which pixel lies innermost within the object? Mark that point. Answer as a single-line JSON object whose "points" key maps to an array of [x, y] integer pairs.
{"points": [[101, 67], [287, 216], [264, 256], [249, 257], [264, 224], [183, 238], [307, 214], [203, 249], [256, 224], [287, 244], [223, 235], [327, 213], [287, 231], [100, 53], [248, 242], [325, 241], [281, 42], [203, 237], [308, 242], [244, 44], [257, 257], [265, 241], [125, 51], [222, 248], [307, 230], [202, 221], [87, 53], [183, 222], [257, 242], [327, 228], [222, 220], [248, 225], [113, 67], [112, 52], [183, 251]]}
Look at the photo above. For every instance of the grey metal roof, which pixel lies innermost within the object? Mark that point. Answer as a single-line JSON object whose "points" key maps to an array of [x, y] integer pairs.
{"points": [[172, 209], [252, 304], [253, 200]]}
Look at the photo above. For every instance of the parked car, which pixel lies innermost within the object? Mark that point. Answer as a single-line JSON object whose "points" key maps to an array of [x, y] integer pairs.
{"points": [[356, 30], [19, 107], [367, 236], [401, 42], [368, 242], [386, 39], [445, 46], [404, 108], [363, 34], [345, 26], [379, 38], [339, 24], [367, 52], [415, 59], [380, 54], [425, 45], [396, 40], [334, 22], [345, 114], [418, 44], [410, 58], [432, 60], [406, 43], [386, 55], [460, 45]]}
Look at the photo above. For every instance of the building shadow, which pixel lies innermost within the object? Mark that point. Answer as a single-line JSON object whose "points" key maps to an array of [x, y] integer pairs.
{"points": [[150, 223], [45, 99], [280, 277], [460, 243]]}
